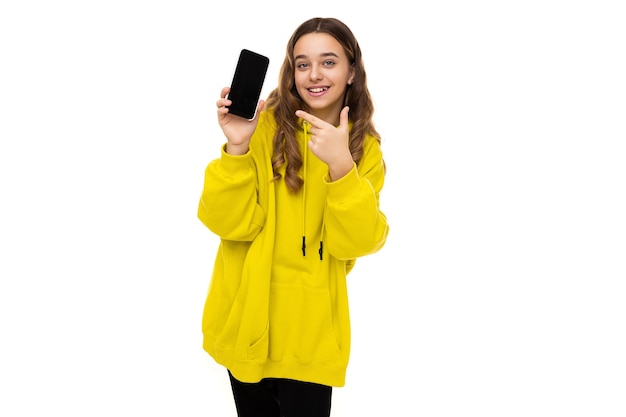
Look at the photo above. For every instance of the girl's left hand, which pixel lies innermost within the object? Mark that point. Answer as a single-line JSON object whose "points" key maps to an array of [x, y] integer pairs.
{"points": [[330, 143]]}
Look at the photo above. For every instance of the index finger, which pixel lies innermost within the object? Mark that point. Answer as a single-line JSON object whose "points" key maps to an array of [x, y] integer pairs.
{"points": [[315, 121]]}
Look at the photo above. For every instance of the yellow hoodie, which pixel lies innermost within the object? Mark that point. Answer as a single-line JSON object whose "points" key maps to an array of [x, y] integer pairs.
{"points": [[277, 305]]}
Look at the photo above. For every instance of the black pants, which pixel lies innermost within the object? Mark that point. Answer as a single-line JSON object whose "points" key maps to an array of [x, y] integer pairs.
{"points": [[275, 397]]}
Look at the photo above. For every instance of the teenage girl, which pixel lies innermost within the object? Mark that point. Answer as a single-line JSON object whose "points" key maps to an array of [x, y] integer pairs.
{"points": [[294, 198]]}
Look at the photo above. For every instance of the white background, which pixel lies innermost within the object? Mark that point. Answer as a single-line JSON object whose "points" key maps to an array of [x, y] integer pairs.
{"points": [[499, 293]]}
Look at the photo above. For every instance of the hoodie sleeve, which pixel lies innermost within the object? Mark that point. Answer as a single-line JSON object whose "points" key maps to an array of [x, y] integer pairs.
{"points": [[228, 204], [354, 223]]}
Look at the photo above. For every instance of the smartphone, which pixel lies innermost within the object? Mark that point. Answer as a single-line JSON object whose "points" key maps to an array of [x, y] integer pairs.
{"points": [[245, 89]]}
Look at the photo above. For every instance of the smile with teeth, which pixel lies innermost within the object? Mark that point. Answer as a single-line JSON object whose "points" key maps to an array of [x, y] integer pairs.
{"points": [[318, 89]]}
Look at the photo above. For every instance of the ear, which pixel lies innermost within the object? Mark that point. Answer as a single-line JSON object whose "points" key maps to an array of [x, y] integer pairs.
{"points": [[351, 76]]}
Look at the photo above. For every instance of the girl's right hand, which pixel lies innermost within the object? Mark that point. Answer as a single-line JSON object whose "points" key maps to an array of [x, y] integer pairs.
{"points": [[237, 130]]}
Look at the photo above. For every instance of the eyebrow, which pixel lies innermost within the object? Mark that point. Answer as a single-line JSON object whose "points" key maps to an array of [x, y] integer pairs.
{"points": [[322, 55]]}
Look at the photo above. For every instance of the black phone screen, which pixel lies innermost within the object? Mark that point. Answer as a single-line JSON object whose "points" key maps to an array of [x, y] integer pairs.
{"points": [[247, 84]]}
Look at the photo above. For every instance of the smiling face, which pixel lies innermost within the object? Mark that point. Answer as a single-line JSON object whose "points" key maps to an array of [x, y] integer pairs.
{"points": [[322, 74]]}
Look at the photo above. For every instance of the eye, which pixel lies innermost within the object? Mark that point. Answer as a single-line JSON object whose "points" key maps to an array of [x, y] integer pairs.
{"points": [[329, 63], [302, 65]]}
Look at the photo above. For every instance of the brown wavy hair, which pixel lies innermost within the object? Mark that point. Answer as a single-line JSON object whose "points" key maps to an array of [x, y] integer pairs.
{"points": [[285, 100]]}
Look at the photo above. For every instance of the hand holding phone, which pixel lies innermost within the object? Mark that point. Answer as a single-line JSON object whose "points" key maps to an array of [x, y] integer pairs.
{"points": [[245, 89]]}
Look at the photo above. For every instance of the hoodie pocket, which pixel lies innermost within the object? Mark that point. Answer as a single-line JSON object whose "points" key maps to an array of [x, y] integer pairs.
{"points": [[302, 324], [258, 350]]}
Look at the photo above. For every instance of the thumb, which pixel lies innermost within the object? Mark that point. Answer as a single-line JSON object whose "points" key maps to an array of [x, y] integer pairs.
{"points": [[343, 117]]}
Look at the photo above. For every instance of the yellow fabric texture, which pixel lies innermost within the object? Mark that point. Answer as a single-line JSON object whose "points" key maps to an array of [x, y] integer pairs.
{"points": [[272, 311]]}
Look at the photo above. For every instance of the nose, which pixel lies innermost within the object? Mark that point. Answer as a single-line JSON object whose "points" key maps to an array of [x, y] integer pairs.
{"points": [[315, 73]]}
